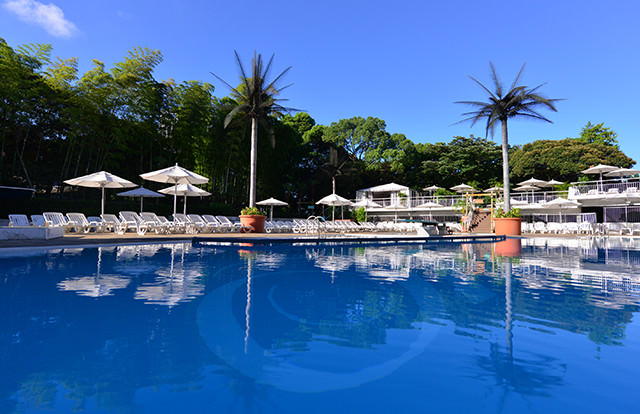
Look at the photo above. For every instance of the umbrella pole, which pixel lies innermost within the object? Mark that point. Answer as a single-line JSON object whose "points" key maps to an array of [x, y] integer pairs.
{"points": [[184, 210], [271, 214], [141, 210], [102, 203], [175, 198]]}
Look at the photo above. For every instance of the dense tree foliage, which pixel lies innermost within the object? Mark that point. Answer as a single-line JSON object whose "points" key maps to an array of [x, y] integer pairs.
{"points": [[56, 123]]}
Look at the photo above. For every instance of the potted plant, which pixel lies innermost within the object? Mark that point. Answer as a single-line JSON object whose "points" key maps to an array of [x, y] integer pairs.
{"points": [[252, 216], [507, 222]]}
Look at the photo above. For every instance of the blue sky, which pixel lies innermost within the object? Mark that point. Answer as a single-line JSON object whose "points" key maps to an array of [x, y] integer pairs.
{"points": [[405, 62]]}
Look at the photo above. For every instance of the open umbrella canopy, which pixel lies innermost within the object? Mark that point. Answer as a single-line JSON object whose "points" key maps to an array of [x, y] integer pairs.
{"points": [[533, 181], [271, 202], [599, 169], [185, 190], [622, 172], [429, 204], [562, 202], [366, 203], [526, 187], [551, 183], [175, 175], [334, 200], [140, 192], [431, 188], [462, 188], [102, 180], [494, 189]]}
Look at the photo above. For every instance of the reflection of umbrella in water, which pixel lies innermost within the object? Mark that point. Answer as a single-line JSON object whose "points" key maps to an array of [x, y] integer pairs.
{"points": [[175, 175], [185, 190], [334, 200], [140, 192], [172, 286], [96, 285], [271, 202], [101, 180]]}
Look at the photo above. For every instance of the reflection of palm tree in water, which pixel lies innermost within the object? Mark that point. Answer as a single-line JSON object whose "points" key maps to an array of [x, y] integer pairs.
{"points": [[527, 377]]}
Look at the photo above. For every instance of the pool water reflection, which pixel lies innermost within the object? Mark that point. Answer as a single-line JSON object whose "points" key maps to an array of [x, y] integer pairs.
{"points": [[526, 326]]}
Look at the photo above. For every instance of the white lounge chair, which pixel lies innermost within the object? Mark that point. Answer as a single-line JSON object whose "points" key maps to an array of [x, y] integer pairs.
{"points": [[38, 220], [55, 219], [82, 223], [183, 220], [201, 224], [18, 220], [154, 223], [112, 223], [134, 221], [224, 221]]}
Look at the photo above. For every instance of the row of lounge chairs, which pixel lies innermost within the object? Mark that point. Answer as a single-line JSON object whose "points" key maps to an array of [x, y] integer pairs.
{"points": [[131, 221]]}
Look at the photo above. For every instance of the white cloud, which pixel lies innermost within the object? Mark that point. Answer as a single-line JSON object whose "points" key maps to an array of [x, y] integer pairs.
{"points": [[48, 16]]}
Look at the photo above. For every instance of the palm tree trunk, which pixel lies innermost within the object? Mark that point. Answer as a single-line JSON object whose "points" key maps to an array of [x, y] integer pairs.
{"points": [[253, 162], [505, 165]]}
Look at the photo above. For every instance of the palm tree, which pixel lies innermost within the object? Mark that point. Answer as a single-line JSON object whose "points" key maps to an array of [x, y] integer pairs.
{"points": [[256, 99], [518, 101]]}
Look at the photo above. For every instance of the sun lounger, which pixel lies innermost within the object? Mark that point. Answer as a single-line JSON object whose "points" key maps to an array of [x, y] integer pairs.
{"points": [[82, 223], [38, 220], [112, 223], [224, 221], [18, 220], [201, 224], [134, 221], [175, 226], [55, 219], [154, 223], [183, 220]]}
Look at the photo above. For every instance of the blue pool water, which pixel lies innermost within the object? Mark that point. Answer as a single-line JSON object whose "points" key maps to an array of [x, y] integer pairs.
{"points": [[531, 326]]}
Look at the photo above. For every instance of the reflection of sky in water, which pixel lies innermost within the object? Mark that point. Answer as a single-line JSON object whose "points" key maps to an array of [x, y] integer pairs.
{"points": [[453, 328]]}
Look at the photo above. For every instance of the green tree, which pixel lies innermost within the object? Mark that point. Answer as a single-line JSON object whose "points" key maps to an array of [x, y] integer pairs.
{"points": [[598, 134], [258, 99], [517, 101], [564, 159]]}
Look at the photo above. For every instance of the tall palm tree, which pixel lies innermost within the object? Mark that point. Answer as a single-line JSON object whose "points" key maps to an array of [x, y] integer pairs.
{"points": [[256, 99], [518, 101]]}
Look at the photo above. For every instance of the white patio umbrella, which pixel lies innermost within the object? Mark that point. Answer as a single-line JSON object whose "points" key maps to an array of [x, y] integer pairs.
{"points": [[462, 188], [551, 183], [101, 180], [533, 181], [334, 200], [494, 189], [271, 202], [140, 192], [562, 203], [395, 206], [175, 175], [366, 203], [185, 190], [429, 205], [527, 187], [600, 169], [622, 172], [431, 188]]}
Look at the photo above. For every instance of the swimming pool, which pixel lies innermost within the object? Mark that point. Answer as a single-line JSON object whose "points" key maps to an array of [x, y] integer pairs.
{"points": [[538, 325]]}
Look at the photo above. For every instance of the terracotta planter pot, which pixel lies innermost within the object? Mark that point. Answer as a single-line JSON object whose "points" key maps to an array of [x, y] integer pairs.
{"points": [[257, 222], [509, 226]]}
